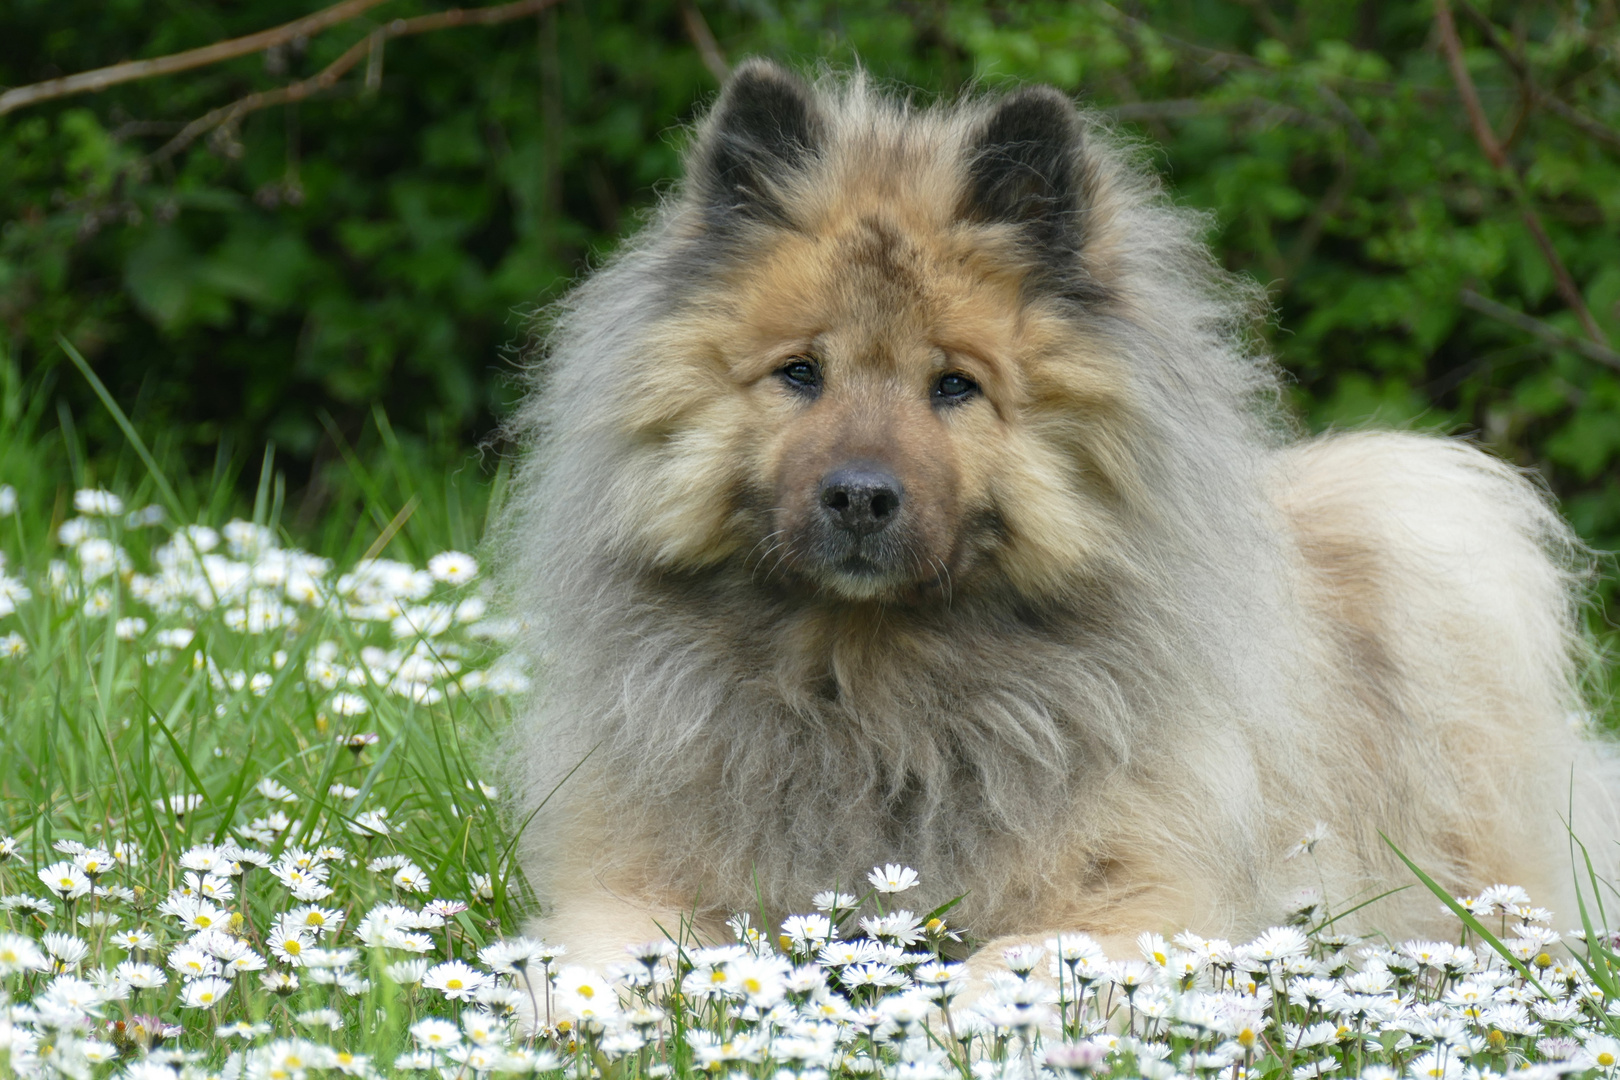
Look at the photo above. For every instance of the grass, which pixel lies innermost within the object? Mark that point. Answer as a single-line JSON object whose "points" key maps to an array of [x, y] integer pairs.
{"points": [[247, 834]]}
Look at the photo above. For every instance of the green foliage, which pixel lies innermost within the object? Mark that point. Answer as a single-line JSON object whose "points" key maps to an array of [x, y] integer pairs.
{"points": [[373, 252]]}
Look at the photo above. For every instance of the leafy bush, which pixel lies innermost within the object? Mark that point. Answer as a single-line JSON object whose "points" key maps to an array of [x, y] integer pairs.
{"points": [[351, 269]]}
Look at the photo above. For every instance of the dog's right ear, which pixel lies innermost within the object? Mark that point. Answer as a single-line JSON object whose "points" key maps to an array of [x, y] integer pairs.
{"points": [[764, 127]]}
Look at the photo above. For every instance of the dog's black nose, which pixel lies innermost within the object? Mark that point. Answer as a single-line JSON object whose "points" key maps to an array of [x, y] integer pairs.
{"points": [[863, 498]]}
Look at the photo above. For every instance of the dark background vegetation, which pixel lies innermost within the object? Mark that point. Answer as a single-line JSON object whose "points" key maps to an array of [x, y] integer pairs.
{"points": [[348, 277]]}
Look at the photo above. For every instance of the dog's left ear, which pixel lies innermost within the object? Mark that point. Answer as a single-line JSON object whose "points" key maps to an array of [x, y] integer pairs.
{"points": [[1026, 167], [764, 127]]}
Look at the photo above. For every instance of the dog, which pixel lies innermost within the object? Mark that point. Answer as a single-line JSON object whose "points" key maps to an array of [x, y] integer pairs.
{"points": [[912, 490]]}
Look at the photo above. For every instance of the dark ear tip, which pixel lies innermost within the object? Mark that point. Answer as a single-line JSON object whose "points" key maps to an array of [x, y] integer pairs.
{"points": [[1034, 109], [759, 77]]}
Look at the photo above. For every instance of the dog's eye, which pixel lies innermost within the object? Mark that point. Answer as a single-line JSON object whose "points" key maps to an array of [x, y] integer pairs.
{"points": [[954, 387], [801, 374]]}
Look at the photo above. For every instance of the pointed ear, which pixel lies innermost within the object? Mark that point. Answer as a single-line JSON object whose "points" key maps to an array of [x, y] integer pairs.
{"points": [[764, 127], [1026, 167]]}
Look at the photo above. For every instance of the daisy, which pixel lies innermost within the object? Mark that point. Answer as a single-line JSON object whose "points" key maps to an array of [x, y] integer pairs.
{"points": [[435, 1034], [406, 940], [832, 900], [412, 879], [279, 982], [193, 963], [68, 950], [288, 946], [453, 568], [97, 1052], [205, 858], [330, 1019], [176, 638], [97, 502], [806, 931], [371, 823], [65, 880], [388, 862], [26, 903], [204, 993], [444, 909], [1277, 943], [274, 790], [18, 953], [514, 955], [203, 915], [313, 919], [456, 980], [583, 993], [140, 976], [407, 972], [482, 1028], [892, 878], [346, 703], [208, 885]]}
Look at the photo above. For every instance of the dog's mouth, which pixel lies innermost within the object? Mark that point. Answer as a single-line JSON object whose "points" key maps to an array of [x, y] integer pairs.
{"points": [[891, 568]]}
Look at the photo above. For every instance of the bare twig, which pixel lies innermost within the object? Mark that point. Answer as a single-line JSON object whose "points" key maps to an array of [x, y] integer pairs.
{"points": [[1182, 108], [328, 76], [1485, 135], [703, 38], [91, 81], [1544, 331], [1560, 108]]}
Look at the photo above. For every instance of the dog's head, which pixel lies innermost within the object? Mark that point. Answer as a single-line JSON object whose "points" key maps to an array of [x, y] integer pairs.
{"points": [[884, 372]]}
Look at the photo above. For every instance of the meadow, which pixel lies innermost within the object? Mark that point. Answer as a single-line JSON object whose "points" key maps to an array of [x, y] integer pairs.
{"points": [[247, 831]]}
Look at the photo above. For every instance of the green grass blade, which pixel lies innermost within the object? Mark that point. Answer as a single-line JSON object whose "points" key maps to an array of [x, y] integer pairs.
{"points": [[170, 499], [1468, 918]]}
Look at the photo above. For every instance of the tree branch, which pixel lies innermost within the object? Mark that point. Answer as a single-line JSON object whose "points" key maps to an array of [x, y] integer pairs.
{"points": [[1485, 135], [91, 81], [369, 46], [1587, 125], [703, 38], [1536, 328]]}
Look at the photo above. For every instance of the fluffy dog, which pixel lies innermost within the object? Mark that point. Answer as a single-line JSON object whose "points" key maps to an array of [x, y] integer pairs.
{"points": [[909, 490]]}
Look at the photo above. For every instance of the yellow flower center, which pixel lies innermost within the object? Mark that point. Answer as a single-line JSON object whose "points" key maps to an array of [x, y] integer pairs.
{"points": [[587, 992], [292, 947], [452, 984], [1605, 1059]]}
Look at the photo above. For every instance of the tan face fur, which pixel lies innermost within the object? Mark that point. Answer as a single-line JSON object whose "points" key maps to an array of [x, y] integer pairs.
{"points": [[883, 293]]}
